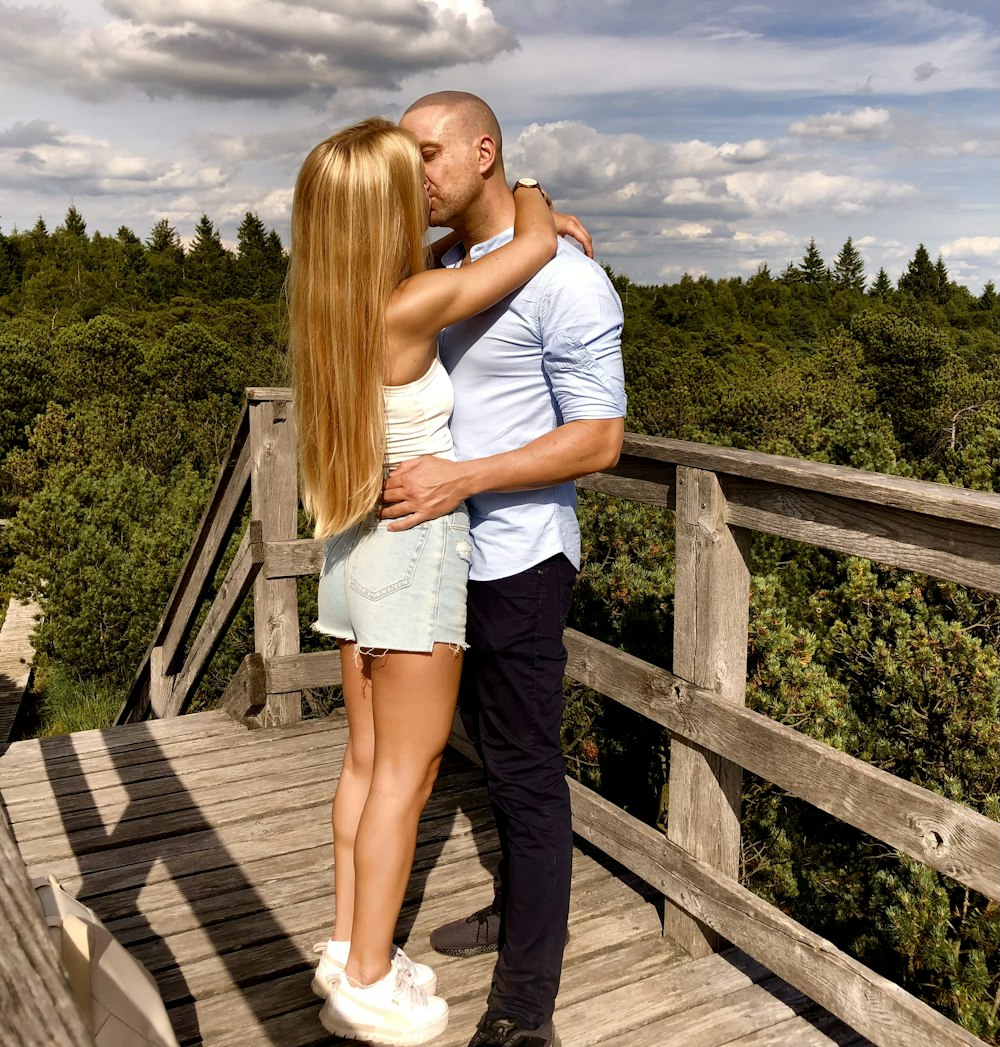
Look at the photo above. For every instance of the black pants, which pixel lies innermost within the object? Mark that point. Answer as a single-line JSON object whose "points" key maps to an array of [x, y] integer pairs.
{"points": [[511, 701]]}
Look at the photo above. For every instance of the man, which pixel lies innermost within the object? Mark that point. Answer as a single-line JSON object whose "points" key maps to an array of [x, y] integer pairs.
{"points": [[539, 401]]}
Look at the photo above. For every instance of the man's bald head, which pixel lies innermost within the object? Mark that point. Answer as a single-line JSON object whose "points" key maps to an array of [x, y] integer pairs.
{"points": [[469, 111]]}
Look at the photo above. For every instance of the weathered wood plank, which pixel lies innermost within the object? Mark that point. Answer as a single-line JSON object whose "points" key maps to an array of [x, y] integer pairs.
{"points": [[217, 522], [246, 692], [931, 499], [36, 1006], [813, 1027], [297, 671], [710, 650], [866, 1001], [638, 479], [228, 600], [260, 394], [301, 556], [136, 863], [113, 808], [968, 553], [31, 751], [718, 1022], [132, 763], [943, 834], [274, 501]]}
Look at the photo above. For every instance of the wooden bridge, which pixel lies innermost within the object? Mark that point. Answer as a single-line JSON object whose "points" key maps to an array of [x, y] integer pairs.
{"points": [[203, 839]]}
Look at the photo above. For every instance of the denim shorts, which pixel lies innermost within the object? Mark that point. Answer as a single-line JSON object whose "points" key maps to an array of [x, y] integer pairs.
{"points": [[397, 590]]}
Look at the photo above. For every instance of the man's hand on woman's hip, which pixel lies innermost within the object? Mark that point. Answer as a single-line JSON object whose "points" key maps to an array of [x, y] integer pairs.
{"points": [[421, 489]]}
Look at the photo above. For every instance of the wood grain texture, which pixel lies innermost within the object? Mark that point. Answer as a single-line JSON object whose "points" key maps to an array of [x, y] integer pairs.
{"points": [[274, 501], [964, 552], [246, 693], [301, 556], [228, 600], [217, 521], [298, 671], [710, 650], [931, 499], [36, 1006], [869, 1003], [941, 833]]}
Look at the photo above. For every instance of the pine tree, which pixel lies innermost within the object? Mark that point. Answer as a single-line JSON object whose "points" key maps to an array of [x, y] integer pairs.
{"points": [[250, 269], [849, 268], [207, 270], [943, 281], [74, 224], [163, 239], [166, 262], [920, 278], [882, 287], [988, 299], [813, 268]]}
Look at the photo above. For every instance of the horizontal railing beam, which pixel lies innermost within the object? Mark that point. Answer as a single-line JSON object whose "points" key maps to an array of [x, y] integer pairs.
{"points": [[919, 496], [294, 558], [876, 1007], [947, 836], [957, 550], [294, 672]]}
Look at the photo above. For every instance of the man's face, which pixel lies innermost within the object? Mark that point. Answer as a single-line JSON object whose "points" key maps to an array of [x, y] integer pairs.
{"points": [[451, 161]]}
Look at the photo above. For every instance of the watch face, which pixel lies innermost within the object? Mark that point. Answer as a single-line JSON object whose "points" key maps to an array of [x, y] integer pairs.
{"points": [[528, 183]]}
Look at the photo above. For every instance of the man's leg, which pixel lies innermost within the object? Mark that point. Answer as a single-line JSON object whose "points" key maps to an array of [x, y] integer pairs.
{"points": [[515, 631]]}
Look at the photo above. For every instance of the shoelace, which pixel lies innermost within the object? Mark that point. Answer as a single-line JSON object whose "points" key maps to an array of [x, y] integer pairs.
{"points": [[484, 914], [405, 992], [405, 967]]}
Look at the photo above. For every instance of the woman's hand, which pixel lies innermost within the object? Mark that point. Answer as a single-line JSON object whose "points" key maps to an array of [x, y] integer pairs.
{"points": [[570, 225]]}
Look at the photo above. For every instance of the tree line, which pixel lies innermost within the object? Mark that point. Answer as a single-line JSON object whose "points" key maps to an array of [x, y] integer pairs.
{"points": [[122, 365]]}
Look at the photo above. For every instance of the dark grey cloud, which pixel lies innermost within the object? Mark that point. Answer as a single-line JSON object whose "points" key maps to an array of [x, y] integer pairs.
{"points": [[26, 135], [271, 49]]}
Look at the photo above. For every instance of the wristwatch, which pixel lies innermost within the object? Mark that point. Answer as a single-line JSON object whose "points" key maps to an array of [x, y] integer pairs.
{"points": [[526, 183]]}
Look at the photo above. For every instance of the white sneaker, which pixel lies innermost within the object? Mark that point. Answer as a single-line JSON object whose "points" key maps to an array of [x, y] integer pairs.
{"points": [[334, 959], [390, 1011]]}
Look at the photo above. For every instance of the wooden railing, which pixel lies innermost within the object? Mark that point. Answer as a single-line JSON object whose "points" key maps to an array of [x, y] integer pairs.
{"points": [[719, 496]]}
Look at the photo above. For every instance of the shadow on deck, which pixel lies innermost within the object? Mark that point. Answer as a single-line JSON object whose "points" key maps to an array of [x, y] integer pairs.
{"points": [[205, 847]]}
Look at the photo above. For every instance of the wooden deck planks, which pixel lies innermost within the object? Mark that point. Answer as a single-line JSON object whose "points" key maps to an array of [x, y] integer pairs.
{"points": [[221, 881]]}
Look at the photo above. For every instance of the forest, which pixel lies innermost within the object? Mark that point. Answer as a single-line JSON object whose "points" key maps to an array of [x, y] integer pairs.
{"points": [[122, 367]]}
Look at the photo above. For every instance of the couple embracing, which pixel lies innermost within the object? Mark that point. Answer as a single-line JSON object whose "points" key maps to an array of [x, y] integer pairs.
{"points": [[445, 405]]}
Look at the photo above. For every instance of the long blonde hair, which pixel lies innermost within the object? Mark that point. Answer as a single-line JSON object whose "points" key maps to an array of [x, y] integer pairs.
{"points": [[359, 216]]}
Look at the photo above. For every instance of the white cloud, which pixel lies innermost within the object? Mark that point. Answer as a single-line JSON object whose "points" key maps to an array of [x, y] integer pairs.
{"points": [[976, 246], [864, 124], [82, 165], [773, 192]]}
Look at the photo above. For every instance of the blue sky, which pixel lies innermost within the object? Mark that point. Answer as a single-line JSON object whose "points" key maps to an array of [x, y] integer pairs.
{"points": [[701, 138]]}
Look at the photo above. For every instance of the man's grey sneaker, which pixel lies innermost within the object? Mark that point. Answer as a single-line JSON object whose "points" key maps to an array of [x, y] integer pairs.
{"points": [[497, 1031], [472, 935]]}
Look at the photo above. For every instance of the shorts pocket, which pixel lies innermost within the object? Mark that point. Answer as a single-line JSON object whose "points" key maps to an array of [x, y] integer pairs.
{"points": [[388, 564]]}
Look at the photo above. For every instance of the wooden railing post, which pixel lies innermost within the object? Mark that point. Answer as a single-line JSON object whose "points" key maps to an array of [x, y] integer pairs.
{"points": [[711, 612], [274, 502]]}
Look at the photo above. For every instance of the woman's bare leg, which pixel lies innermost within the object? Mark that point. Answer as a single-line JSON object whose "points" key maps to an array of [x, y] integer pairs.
{"points": [[355, 781], [413, 703]]}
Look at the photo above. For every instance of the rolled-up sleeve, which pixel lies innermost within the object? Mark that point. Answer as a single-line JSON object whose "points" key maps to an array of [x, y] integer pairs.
{"points": [[581, 332]]}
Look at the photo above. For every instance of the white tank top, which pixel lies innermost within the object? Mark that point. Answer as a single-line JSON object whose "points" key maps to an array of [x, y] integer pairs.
{"points": [[417, 416]]}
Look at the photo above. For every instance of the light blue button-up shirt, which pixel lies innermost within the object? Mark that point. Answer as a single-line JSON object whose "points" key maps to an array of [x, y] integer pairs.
{"points": [[547, 354]]}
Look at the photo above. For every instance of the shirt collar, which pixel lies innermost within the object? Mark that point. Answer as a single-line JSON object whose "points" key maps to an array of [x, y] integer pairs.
{"points": [[457, 253]]}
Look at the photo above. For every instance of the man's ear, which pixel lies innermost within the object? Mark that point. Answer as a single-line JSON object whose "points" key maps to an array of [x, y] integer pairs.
{"points": [[487, 155]]}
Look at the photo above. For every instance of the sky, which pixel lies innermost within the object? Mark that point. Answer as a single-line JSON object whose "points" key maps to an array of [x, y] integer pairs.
{"points": [[706, 138]]}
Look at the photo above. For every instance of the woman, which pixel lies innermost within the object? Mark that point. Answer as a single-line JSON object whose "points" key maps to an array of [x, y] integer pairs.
{"points": [[370, 392]]}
